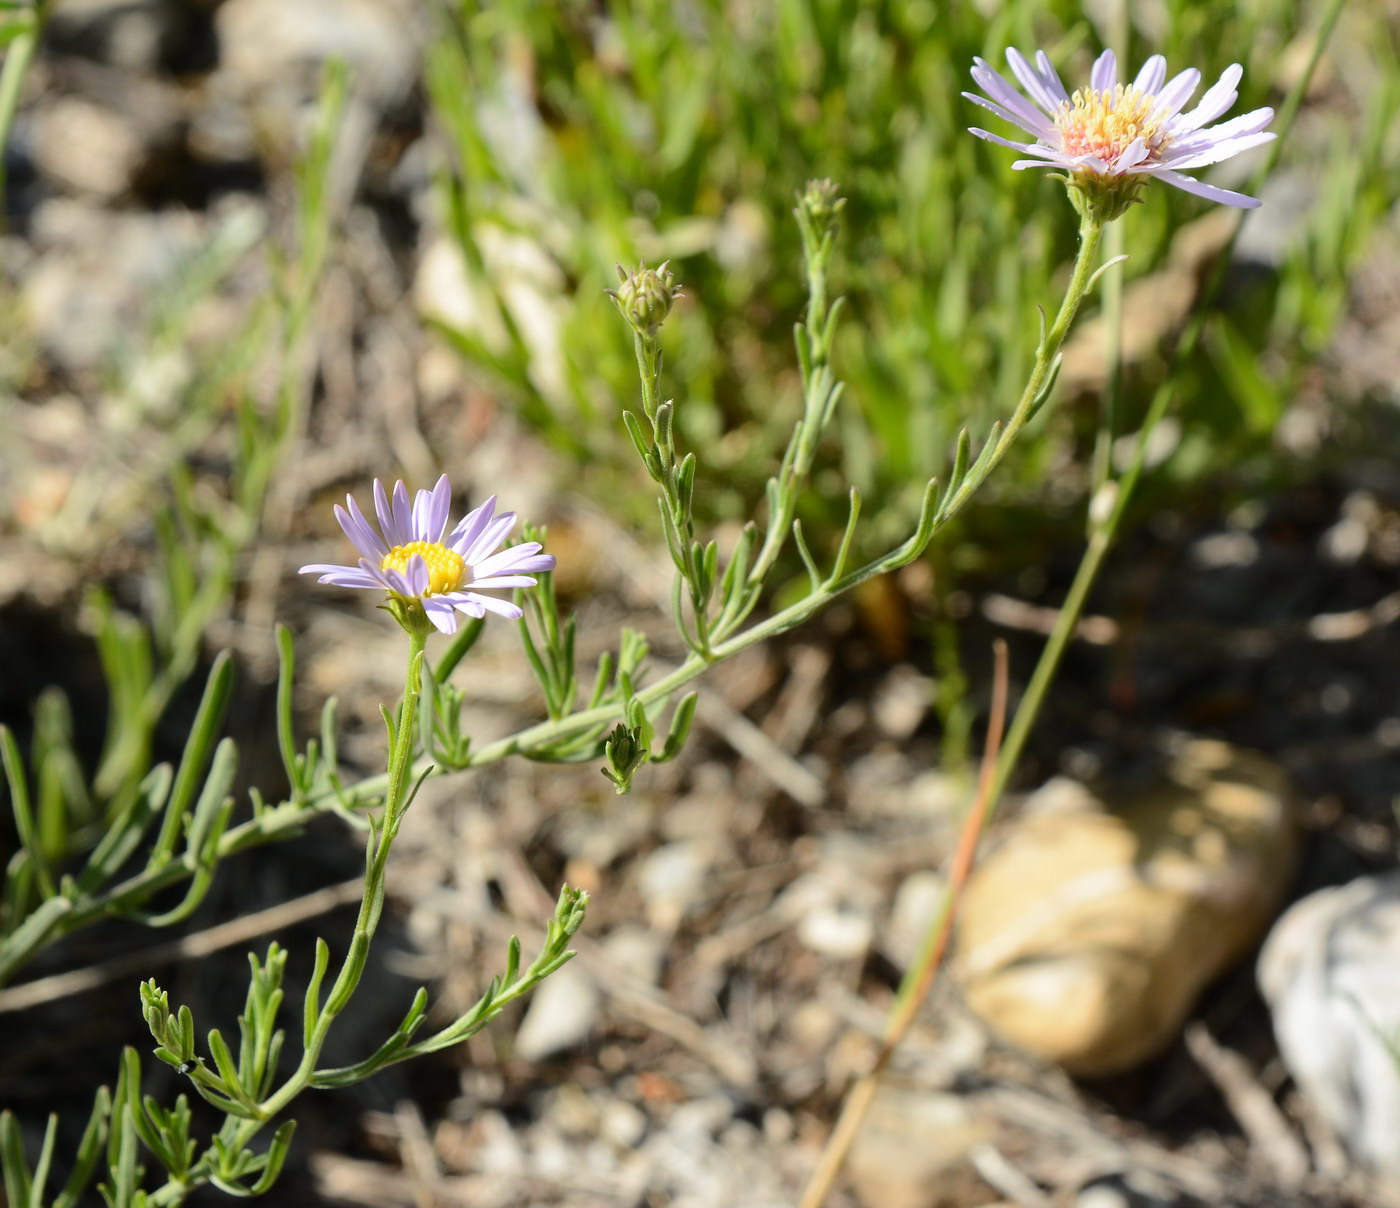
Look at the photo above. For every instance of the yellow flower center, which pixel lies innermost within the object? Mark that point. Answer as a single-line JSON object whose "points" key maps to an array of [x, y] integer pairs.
{"points": [[1106, 123], [446, 567]]}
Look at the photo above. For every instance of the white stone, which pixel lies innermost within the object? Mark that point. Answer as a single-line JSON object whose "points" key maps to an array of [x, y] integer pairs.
{"points": [[561, 1014], [1330, 971]]}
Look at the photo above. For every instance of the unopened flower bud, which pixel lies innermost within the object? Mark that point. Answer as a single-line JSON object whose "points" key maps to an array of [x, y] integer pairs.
{"points": [[821, 205], [645, 296]]}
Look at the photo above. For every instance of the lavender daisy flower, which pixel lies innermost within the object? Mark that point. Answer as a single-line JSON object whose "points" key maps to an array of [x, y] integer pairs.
{"points": [[417, 559], [1113, 137]]}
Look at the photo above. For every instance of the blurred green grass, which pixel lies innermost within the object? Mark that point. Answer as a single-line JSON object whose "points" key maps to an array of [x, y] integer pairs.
{"points": [[651, 131]]}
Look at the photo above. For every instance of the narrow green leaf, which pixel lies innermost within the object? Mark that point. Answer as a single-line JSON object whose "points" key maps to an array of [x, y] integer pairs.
{"points": [[200, 743], [41, 1167], [274, 1159], [227, 1067], [22, 810], [286, 726], [681, 719], [89, 1151], [18, 1182], [124, 836], [466, 637]]}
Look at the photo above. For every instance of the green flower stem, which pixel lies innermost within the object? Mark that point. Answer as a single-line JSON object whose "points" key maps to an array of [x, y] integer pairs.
{"points": [[676, 514], [820, 390], [396, 800], [1028, 710], [1090, 235], [399, 781], [649, 370]]}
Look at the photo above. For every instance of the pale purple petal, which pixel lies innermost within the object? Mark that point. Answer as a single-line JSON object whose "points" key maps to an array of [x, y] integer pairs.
{"points": [[1061, 161], [1040, 91], [513, 558], [1217, 99], [1149, 79], [393, 535], [1051, 78], [1103, 76], [502, 608], [1222, 150], [535, 564], [442, 613], [430, 511], [498, 582], [490, 537], [471, 526], [361, 533], [1247, 123], [403, 514], [340, 576], [994, 84], [1132, 155], [1006, 142], [388, 580], [397, 582], [416, 576], [1043, 128], [1190, 184], [1177, 93]]}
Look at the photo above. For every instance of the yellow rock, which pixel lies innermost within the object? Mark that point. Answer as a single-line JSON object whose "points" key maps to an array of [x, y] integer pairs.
{"points": [[1086, 936], [912, 1143]]}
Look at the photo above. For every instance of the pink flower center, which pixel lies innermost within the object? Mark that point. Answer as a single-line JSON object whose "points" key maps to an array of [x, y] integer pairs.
{"points": [[446, 567], [1106, 123]]}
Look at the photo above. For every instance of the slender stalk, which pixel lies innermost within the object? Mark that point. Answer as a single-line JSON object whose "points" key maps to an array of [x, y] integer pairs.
{"points": [[352, 969], [919, 979], [1028, 710], [1090, 236]]}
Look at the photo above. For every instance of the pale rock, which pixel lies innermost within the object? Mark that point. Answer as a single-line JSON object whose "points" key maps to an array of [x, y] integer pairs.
{"points": [[902, 701], [622, 1124], [911, 1139], [518, 274], [937, 796], [1086, 937], [1133, 1189], [561, 1014], [277, 51], [1330, 971], [839, 929], [129, 34], [671, 878], [916, 904], [82, 145], [96, 271], [636, 951], [836, 904]]}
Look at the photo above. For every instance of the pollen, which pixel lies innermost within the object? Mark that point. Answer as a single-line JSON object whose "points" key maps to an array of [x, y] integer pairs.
{"points": [[446, 567], [1105, 123]]}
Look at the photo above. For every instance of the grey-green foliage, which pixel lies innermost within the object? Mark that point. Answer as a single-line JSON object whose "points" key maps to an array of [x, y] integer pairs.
{"points": [[127, 1129], [246, 1081]]}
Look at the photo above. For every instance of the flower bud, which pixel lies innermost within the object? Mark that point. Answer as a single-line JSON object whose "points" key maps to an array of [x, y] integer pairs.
{"points": [[820, 205], [645, 296]]}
